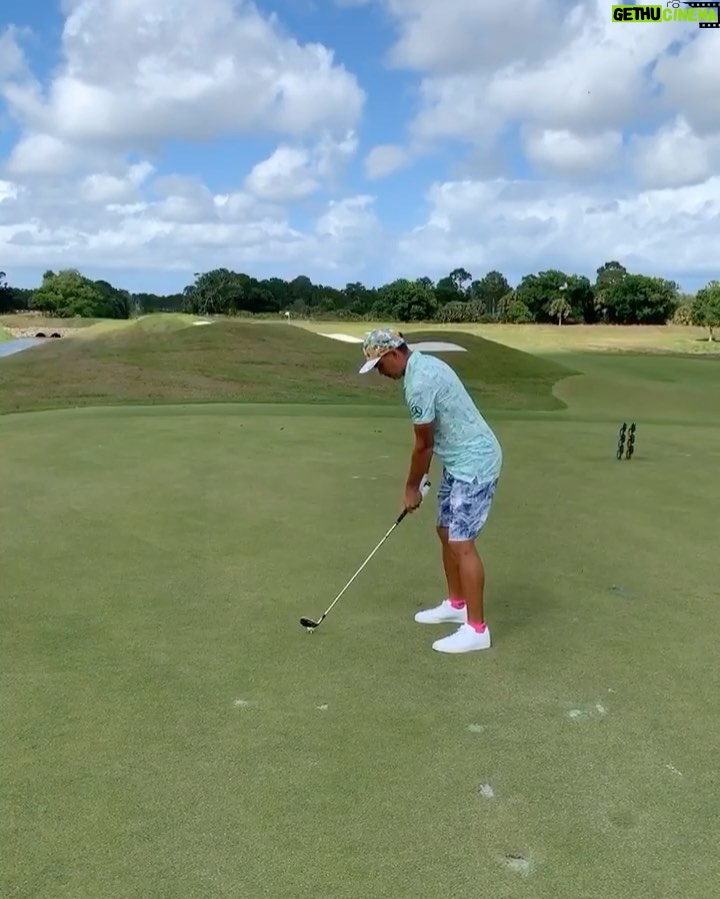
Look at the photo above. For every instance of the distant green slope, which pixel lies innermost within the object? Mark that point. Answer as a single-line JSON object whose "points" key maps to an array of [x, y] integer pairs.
{"points": [[154, 322], [498, 375], [250, 363]]}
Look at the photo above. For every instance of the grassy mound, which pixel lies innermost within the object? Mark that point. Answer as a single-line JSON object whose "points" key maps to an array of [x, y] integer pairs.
{"points": [[162, 360], [4, 335], [499, 376], [161, 322]]}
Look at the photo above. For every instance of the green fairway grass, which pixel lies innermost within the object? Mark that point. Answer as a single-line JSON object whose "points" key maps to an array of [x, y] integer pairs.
{"points": [[167, 361], [543, 339], [171, 732]]}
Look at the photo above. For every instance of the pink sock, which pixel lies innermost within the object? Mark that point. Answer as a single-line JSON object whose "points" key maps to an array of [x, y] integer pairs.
{"points": [[457, 603], [478, 626]]}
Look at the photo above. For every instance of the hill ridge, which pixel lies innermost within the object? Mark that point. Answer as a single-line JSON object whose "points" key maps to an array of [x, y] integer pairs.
{"points": [[250, 362]]}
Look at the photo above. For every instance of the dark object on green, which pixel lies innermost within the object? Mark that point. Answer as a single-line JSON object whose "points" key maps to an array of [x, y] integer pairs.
{"points": [[630, 441]]}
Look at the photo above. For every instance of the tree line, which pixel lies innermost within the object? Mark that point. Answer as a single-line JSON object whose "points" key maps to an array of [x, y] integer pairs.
{"points": [[616, 296]]}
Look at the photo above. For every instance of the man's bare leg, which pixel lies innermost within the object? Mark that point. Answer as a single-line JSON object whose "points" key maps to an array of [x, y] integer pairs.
{"points": [[450, 564], [455, 595], [471, 572], [464, 558]]}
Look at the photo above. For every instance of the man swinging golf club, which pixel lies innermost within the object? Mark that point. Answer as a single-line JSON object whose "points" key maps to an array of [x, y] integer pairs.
{"points": [[449, 425]]}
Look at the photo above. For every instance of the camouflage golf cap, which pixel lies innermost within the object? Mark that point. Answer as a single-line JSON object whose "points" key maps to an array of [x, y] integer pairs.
{"points": [[377, 343]]}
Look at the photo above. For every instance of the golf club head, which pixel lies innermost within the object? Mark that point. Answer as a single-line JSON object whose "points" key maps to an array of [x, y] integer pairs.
{"points": [[309, 623]]}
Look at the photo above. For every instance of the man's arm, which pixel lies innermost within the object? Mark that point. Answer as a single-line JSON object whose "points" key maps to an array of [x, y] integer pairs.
{"points": [[421, 403], [421, 455]]}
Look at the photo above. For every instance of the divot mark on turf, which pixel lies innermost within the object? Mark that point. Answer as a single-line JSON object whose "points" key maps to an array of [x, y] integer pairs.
{"points": [[322, 708], [674, 770], [621, 592], [476, 728], [242, 703], [486, 791], [588, 712], [518, 864]]}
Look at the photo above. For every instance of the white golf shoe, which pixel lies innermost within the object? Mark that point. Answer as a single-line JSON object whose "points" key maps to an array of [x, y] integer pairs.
{"points": [[465, 639], [441, 614]]}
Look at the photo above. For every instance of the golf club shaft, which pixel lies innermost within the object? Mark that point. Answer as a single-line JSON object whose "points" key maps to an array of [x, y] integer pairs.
{"points": [[395, 524], [424, 490]]}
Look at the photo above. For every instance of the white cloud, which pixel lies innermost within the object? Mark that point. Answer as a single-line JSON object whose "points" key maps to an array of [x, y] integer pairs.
{"points": [[352, 231], [565, 152], [138, 72], [291, 172], [134, 74], [45, 154], [689, 81], [466, 35], [106, 188], [594, 81], [348, 218], [177, 224], [285, 175], [675, 155], [587, 99], [520, 226], [562, 70], [12, 58], [8, 191], [384, 160], [330, 155]]}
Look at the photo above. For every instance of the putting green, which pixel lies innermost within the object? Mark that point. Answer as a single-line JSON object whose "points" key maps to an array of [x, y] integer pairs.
{"points": [[174, 732]]}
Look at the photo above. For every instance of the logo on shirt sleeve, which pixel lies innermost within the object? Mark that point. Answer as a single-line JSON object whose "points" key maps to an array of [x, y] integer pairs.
{"points": [[416, 411]]}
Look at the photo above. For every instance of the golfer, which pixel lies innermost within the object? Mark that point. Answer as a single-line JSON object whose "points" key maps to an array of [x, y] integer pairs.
{"points": [[448, 424]]}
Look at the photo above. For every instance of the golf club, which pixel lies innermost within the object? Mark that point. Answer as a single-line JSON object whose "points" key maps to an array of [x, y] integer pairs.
{"points": [[308, 623]]}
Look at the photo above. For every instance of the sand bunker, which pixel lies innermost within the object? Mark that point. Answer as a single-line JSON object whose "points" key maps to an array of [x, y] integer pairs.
{"points": [[437, 346], [428, 346], [346, 338]]}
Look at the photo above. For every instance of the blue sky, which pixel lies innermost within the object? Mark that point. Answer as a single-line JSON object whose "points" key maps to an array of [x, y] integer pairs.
{"points": [[562, 143]]}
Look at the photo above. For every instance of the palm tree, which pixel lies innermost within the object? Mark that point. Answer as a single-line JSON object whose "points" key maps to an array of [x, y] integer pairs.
{"points": [[560, 308]]}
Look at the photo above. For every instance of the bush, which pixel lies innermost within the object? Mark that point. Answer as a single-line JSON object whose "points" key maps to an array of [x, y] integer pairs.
{"points": [[452, 313], [517, 313], [683, 314], [476, 312], [458, 312]]}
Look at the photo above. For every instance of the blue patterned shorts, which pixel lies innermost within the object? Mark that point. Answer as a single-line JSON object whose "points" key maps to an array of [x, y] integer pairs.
{"points": [[463, 507]]}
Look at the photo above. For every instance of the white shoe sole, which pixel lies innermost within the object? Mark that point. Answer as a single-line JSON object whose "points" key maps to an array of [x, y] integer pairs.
{"points": [[460, 650], [453, 646]]}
